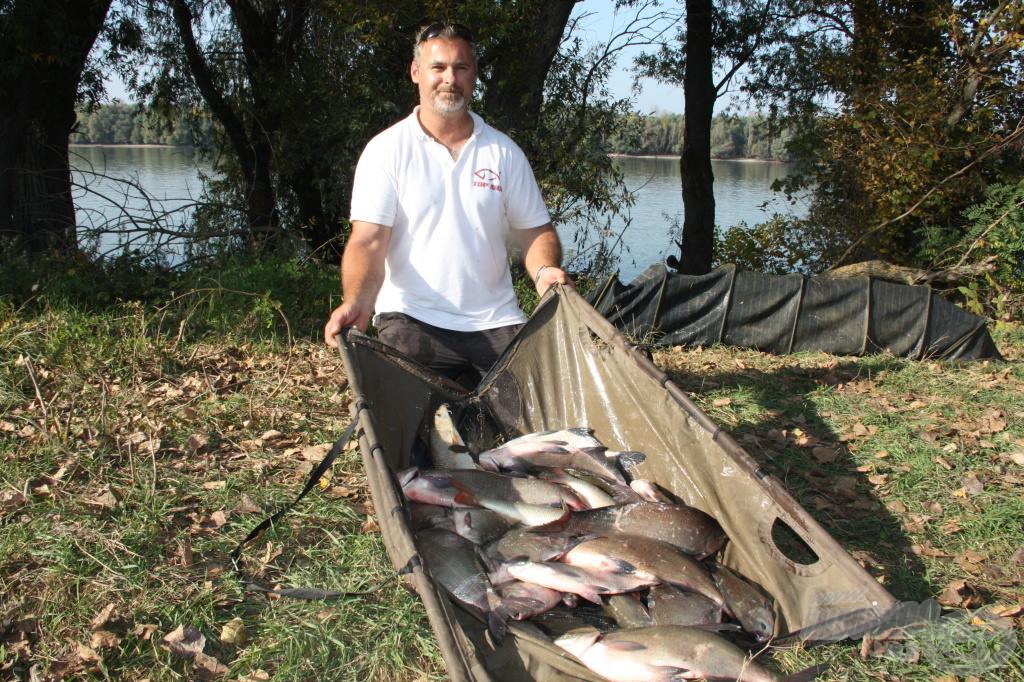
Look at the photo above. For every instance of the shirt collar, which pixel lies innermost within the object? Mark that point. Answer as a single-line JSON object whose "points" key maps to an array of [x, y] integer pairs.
{"points": [[422, 134]]}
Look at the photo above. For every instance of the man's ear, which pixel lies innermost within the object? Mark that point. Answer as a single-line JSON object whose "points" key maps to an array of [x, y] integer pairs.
{"points": [[414, 71]]}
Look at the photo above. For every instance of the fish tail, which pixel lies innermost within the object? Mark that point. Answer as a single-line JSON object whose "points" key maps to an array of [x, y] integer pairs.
{"points": [[497, 624]]}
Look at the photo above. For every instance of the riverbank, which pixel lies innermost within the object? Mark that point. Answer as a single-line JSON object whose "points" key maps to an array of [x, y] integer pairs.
{"points": [[621, 155], [131, 146]]}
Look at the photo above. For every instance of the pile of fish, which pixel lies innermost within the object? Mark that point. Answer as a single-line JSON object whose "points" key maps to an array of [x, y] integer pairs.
{"points": [[553, 528]]}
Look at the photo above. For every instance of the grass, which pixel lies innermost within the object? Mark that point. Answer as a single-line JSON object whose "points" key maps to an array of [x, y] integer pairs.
{"points": [[140, 440]]}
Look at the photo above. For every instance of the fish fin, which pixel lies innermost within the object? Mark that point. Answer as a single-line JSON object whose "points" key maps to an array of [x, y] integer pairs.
{"points": [[555, 526], [406, 476], [630, 459], [459, 448], [497, 625], [466, 497], [622, 566], [623, 646], [807, 674], [718, 627]]}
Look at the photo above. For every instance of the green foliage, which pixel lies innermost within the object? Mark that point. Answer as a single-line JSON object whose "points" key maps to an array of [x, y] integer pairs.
{"points": [[732, 137], [778, 246], [267, 297], [120, 123]]}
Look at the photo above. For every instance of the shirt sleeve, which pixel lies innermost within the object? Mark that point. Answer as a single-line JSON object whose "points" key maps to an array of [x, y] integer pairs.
{"points": [[374, 190], [524, 205]]}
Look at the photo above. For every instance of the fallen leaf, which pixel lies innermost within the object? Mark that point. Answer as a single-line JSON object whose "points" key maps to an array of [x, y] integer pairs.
{"points": [[7, 426], [144, 631], [972, 486], [925, 549], [271, 435], [256, 676], [897, 507], [88, 654], [233, 632], [721, 402], [215, 485], [935, 508], [825, 454], [104, 499], [944, 463], [185, 642], [370, 525], [878, 479], [859, 429], [196, 443], [208, 667], [12, 500], [104, 639], [1017, 557], [105, 615], [959, 594], [1017, 457], [882, 454], [247, 506], [1008, 610], [214, 520]]}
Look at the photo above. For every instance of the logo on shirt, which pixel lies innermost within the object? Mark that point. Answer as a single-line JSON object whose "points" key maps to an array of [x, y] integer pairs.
{"points": [[487, 178]]}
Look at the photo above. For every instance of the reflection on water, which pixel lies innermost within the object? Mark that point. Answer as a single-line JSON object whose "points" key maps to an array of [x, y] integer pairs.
{"points": [[119, 185], [122, 190], [742, 194]]}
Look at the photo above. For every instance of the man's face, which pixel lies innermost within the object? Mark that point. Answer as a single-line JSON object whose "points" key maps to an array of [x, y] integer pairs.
{"points": [[446, 75]]}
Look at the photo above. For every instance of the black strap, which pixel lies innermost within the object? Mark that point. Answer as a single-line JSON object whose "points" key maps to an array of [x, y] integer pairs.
{"points": [[314, 478]]}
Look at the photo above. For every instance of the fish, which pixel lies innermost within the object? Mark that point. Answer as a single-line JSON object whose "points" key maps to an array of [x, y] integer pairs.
{"points": [[686, 528], [621, 494], [517, 512], [525, 600], [560, 620], [666, 653], [521, 542], [423, 516], [645, 559], [565, 578], [447, 448], [628, 610], [594, 496], [580, 438], [668, 605], [542, 454], [649, 491], [440, 487], [747, 603], [481, 526], [453, 563]]}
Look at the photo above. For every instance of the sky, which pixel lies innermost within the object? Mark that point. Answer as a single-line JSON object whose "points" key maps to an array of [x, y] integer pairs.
{"points": [[598, 22]]}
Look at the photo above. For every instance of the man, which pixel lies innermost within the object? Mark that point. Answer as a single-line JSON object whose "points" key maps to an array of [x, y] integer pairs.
{"points": [[433, 201]]}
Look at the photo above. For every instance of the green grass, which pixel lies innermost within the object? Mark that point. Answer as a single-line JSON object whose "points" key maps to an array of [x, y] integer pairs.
{"points": [[112, 396]]}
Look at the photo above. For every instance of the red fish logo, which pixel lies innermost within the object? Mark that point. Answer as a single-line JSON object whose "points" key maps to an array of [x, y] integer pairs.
{"points": [[487, 178]]}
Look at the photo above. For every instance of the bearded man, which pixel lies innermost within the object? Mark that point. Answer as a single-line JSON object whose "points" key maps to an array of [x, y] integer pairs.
{"points": [[434, 198]]}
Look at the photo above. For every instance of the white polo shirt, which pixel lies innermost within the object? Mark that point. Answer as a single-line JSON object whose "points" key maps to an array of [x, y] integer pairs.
{"points": [[447, 264]]}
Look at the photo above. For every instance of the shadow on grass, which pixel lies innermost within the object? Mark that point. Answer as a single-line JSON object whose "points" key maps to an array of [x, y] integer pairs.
{"points": [[836, 494]]}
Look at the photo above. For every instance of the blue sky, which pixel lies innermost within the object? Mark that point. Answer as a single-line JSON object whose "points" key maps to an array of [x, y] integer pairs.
{"points": [[598, 26]]}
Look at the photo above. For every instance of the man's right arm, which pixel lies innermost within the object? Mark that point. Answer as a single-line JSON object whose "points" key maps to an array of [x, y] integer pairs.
{"points": [[362, 274]]}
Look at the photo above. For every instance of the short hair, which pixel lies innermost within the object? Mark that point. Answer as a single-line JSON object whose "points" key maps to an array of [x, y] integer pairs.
{"points": [[444, 30]]}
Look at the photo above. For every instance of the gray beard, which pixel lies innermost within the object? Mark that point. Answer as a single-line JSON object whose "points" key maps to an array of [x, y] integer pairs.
{"points": [[449, 104]]}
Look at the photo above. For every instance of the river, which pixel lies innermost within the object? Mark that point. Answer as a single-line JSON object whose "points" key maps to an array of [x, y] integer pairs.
{"points": [[167, 180]]}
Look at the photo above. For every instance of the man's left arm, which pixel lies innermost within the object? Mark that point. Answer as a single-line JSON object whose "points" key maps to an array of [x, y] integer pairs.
{"points": [[542, 256]]}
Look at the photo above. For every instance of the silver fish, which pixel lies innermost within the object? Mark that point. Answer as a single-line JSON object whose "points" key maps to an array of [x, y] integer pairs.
{"points": [[423, 516], [481, 526], [447, 448], [507, 488], [628, 610], [452, 561], [525, 600], [664, 653], [508, 459], [594, 496], [580, 438], [686, 528], [747, 603], [646, 559], [517, 512], [586, 583], [668, 605]]}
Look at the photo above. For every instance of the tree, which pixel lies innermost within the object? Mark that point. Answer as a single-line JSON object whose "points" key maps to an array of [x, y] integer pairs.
{"points": [[44, 50], [902, 113], [732, 35]]}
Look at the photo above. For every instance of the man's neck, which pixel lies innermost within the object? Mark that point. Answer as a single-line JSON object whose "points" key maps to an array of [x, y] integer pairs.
{"points": [[451, 131]]}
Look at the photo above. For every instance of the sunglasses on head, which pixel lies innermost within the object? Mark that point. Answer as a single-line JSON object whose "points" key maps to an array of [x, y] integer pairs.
{"points": [[446, 30]]}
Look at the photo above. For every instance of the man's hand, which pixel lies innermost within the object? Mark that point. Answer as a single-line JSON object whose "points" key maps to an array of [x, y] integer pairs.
{"points": [[344, 316], [548, 275]]}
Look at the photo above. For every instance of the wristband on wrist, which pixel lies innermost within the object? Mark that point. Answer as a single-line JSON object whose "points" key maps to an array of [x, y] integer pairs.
{"points": [[536, 277]]}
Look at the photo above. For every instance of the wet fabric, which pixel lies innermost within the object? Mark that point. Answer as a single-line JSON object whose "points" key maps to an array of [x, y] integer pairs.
{"points": [[570, 367], [789, 313]]}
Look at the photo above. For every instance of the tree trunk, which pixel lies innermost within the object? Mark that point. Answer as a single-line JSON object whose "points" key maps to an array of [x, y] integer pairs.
{"points": [[43, 47], [515, 85], [697, 246]]}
